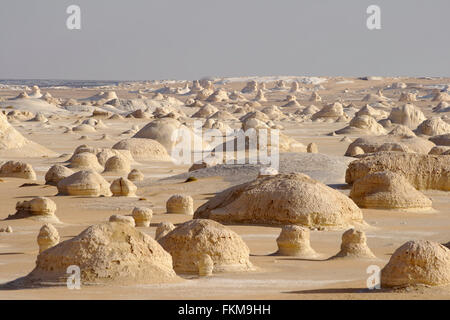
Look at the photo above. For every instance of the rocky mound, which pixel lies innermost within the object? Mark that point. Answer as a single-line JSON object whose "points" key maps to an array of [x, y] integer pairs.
{"points": [[166, 131], [331, 111], [12, 143], [417, 263], [56, 173], [17, 169], [441, 140], [423, 171], [84, 183], [354, 245], [371, 144], [282, 199], [387, 190], [433, 127], [98, 250], [144, 149], [190, 240], [294, 241], [365, 125], [408, 115]]}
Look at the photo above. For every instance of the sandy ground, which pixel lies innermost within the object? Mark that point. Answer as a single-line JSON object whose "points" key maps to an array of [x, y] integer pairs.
{"points": [[276, 277]]}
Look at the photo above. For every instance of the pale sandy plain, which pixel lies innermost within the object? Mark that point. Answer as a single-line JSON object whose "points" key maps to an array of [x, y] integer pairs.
{"points": [[276, 277]]}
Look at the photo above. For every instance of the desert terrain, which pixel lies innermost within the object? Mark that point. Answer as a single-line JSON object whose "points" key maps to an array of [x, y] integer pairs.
{"points": [[396, 129]]}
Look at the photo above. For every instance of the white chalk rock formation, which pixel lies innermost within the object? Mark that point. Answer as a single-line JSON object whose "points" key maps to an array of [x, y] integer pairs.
{"points": [[179, 203], [97, 250], [142, 216], [48, 237], [332, 111], [56, 173], [17, 169], [354, 245], [407, 97], [202, 236], [135, 175], [123, 187], [415, 263], [260, 96], [251, 87], [117, 164], [363, 125], [218, 96], [433, 127], [423, 171], [371, 144], [315, 97], [144, 149], [205, 265], [283, 199], [162, 229], [294, 241], [312, 148], [122, 219], [408, 115], [387, 190], [205, 112], [84, 183], [39, 206], [85, 161]]}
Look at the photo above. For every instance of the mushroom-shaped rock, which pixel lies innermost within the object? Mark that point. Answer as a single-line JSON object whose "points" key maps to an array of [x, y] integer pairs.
{"points": [[48, 237], [387, 190], [417, 263], [371, 144], [84, 183], [331, 111], [123, 187], [144, 149], [135, 175], [39, 206], [142, 216], [117, 164], [162, 229], [355, 151], [122, 219], [283, 199], [202, 236], [17, 169], [294, 241], [179, 203], [98, 250], [84, 161], [56, 173], [354, 245], [423, 171]]}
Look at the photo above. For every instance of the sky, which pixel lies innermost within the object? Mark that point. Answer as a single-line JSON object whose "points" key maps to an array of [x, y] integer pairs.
{"points": [[192, 39]]}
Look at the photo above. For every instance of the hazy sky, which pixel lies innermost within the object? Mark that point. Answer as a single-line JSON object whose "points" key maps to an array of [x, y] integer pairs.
{"points": [[190, 39]]}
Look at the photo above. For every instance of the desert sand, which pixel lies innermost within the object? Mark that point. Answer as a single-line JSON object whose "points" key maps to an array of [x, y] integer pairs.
{"points": [[95, 136]]}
